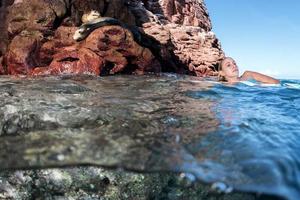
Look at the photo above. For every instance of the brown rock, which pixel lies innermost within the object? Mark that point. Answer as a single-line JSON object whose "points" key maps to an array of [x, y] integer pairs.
{"points": [[2, 69], [141, 14], [38, 15], [116, 45], [63, 37], [118, 10], [107, 50], [72, 62], [186, 36], [112, 8], [197, 49], [3, 25], [182, 30], [185, 12], [23, 53]]}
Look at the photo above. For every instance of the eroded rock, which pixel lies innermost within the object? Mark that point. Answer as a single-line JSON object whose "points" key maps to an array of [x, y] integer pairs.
{"points": [[176, 37], [72, 62], [37, 15], [107, 50], [2, 69], [187, 34], [63, 37], [22, 54], [113, 8]]}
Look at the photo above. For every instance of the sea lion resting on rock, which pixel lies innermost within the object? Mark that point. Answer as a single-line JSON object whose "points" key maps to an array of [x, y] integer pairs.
{"points": [[85, 29], [93, 20]]}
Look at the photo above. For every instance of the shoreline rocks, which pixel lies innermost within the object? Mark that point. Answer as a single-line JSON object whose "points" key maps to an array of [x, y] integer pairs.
{"points": [[40, 33]]}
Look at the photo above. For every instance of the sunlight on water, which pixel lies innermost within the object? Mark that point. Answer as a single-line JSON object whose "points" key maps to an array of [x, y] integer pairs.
{"points": [[257, 139]]}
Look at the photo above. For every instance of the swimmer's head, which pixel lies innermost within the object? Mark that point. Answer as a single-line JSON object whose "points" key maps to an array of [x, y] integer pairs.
{"points": [[228, 69]]}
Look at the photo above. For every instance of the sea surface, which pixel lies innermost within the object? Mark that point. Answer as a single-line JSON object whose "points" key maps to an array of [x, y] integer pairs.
{"points": [[243, 137]]}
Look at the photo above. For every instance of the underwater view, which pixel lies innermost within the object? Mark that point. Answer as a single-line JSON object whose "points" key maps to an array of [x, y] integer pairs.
{"points": [[149, 100], [235, 138]]}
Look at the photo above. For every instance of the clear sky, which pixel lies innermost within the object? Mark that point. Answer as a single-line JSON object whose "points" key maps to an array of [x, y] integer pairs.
{"points": [[261, 35]]}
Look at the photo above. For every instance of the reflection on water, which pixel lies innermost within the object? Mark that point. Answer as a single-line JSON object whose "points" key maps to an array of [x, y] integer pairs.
{"points": [[257, 139], [137, 123], [235, 137]]}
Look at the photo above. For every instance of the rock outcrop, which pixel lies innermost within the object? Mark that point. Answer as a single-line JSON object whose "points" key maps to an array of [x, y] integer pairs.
{"points": [[39, 38], [22, 54], [187, 27], [107, 50]]}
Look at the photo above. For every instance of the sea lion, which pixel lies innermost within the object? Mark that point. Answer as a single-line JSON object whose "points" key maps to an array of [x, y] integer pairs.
{"points": [[93, 20], [85, 29]]}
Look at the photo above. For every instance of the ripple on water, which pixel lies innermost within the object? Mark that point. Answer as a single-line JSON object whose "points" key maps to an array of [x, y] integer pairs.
{"points": [[232, 136]]}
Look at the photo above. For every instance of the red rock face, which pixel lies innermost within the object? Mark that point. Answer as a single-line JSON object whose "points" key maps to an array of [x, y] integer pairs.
{"points": [[3, 26], [184, 12], [176, 37], [187, 32], [112, 8], [72, 62], [63, 38], [107, 50], [38, 15], [2, 70], [22, 54]]}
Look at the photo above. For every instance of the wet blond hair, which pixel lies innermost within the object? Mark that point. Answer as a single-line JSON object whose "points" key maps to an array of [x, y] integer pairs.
{"points": [[220, 77]]}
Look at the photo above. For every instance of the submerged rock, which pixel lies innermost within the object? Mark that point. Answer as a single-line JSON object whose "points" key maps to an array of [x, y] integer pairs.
{"points": [[114, 122], [98, 183], [116, 118]]}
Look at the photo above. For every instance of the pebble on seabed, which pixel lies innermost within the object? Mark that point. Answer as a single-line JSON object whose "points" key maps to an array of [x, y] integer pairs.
{"points": [[221, 187]]}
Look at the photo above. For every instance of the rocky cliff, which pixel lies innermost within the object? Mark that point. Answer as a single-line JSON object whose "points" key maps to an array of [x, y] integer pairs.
{"points": [[36, 38]]}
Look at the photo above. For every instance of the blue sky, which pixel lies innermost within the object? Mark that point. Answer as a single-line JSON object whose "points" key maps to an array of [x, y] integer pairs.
{"points": [[261, 35]]}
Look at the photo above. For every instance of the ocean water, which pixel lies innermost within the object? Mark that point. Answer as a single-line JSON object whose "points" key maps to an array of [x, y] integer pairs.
{"points": [[242, 137], [256, 145]]}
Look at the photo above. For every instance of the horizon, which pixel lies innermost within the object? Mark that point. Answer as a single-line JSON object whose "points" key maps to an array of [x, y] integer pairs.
{"points": [[260, 35]]}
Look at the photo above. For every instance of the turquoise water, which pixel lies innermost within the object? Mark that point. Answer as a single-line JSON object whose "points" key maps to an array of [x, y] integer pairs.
{"points": [[256, 146], [233, 137]]}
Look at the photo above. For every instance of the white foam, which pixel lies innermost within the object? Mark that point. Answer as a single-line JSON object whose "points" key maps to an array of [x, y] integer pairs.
{"points": [[292, 85], [249, 83]]}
